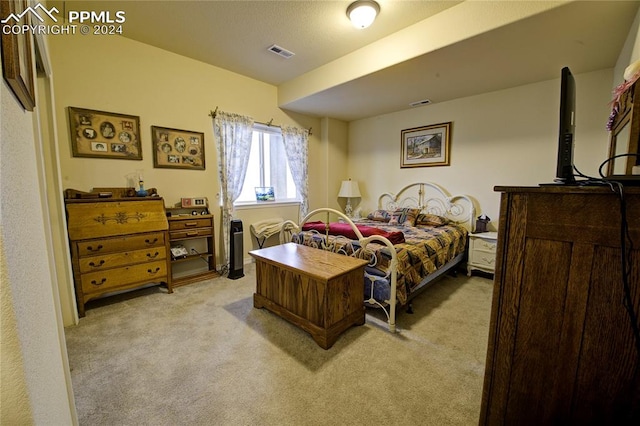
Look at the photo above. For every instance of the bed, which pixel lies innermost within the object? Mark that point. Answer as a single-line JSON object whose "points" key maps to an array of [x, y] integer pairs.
{"points": [[411, 239]]}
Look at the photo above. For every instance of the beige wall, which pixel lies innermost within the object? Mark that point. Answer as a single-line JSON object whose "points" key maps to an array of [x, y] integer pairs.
{"points": [[115, 74], [507, 137]]}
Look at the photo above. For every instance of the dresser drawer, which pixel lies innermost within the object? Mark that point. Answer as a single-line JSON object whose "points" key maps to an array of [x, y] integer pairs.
{"points": [[113, 260], [176, 225], [190, 233], [99, 282], [483, 258], [480, 244], [110, 245]]}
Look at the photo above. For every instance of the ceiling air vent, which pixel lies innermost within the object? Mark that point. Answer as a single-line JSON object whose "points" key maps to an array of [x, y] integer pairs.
{"points": [[281, 51], [418, 103]]}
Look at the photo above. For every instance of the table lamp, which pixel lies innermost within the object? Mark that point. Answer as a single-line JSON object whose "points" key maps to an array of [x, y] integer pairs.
{"points": [[349, 189]]}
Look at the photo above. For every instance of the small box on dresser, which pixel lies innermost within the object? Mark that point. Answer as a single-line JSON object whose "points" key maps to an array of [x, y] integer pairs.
{"points": [[117, 244]]}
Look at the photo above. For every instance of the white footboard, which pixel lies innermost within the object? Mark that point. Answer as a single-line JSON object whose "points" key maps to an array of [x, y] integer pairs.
{"points": [[389, 306]]}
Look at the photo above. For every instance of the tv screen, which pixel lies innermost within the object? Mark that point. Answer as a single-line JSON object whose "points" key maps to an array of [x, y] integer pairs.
{"points": [[564, 171]]}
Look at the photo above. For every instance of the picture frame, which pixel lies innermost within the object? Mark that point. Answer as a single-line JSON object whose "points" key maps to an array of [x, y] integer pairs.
{"points": [[425, 146], [265, 193], [101, 134], [17, 62], [177, 149]]}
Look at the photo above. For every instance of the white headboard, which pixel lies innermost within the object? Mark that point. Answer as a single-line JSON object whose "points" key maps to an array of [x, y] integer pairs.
{"points": [[432, 198]]}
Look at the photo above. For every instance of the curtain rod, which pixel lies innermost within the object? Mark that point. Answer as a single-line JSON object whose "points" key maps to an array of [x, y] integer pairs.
{"points": [[213, 114]]}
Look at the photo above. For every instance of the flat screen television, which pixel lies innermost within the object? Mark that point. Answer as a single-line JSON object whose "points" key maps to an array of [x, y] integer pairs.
{"points": [[564, 171]]}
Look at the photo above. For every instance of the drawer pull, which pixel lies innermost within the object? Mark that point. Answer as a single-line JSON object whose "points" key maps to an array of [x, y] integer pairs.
{"points": [[153, 256], [153, 272], [102, 281], [98, 265], [90, 248], [155, 240], [192, 233], [190, 224]]}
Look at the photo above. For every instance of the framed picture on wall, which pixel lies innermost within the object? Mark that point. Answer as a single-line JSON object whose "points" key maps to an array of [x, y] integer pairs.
{"points": [[265, 193], [101, 134], [177, 149], [425, 146], [16, 53]]}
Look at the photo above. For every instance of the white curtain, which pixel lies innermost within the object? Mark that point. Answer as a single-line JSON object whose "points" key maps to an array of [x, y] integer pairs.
{"points": [[233, 134], [296, 145]]}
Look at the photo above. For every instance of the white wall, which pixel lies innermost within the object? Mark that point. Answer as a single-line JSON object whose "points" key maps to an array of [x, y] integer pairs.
{"points": [[32, 365], [507, 137]]}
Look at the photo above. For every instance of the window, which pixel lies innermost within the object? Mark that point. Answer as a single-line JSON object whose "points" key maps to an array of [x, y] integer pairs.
{"points": [[265, 168]]}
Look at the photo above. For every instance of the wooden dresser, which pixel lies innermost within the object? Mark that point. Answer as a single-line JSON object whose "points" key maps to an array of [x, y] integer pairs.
{"points": [[561, 345], [117, 244]]}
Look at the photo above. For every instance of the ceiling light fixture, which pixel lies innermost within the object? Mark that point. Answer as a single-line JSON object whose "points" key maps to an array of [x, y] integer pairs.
{"points": [[362, 13]]}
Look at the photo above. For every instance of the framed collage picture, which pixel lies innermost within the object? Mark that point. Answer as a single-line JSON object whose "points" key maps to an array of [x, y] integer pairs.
{"points": [[16, 54], [425, 146], [101, 134], [177, 149]]}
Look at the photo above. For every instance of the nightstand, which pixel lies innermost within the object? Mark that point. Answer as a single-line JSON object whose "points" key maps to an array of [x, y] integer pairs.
{"points": [[192, 230], [482, 252]]}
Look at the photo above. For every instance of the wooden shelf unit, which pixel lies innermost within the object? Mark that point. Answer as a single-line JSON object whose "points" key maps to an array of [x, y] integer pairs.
{"points": [[184, 226]]}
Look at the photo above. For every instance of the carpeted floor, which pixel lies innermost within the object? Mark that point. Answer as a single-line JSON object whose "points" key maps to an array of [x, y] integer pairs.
{"points": [[205, 356]]}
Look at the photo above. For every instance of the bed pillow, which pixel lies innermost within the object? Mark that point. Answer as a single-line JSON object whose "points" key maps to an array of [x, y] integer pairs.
{"points": [[431, 220], [380, 216], [344, 229], [404, 217]]}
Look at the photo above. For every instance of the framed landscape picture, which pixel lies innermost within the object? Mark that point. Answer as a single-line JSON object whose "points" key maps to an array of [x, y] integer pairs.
{"points": [[425, 146], [265, 193], [101, 134], [177, 149]]}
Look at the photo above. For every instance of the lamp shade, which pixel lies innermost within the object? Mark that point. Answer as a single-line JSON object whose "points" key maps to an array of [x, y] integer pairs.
{"points": [[349, 189], [362, 13]]}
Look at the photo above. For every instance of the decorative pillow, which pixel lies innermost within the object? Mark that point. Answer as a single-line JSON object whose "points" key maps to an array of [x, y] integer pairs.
{"points": [[431, 220], [380, 216], [404, 217]]}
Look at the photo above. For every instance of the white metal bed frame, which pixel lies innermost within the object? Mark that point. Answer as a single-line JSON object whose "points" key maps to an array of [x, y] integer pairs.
{"points": [[426, 196]]}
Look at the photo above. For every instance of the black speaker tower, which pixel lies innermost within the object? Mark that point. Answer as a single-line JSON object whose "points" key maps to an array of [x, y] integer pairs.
{"points": [[236, 251]]}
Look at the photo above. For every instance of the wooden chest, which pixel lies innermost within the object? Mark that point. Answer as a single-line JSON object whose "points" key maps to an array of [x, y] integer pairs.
{"points": [[117, 244], [319, 291]]}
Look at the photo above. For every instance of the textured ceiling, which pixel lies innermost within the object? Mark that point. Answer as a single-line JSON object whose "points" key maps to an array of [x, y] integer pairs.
{"points": [[235, 35]]}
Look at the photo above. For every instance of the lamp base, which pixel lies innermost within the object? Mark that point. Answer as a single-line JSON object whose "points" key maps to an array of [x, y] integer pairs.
{"points": [[348, 210]]}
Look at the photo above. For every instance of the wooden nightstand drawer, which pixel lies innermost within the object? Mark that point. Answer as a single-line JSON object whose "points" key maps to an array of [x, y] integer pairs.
{"points": [[111, 245], [189, 223], [114, 260], [190, 233]]}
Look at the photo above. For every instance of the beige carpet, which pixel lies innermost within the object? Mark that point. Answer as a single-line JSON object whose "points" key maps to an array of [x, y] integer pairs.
{"points": [[205, 356]]}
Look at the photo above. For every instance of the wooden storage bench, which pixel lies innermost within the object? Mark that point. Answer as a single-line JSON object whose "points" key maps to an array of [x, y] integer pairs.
{"points": [[319, 291]]}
